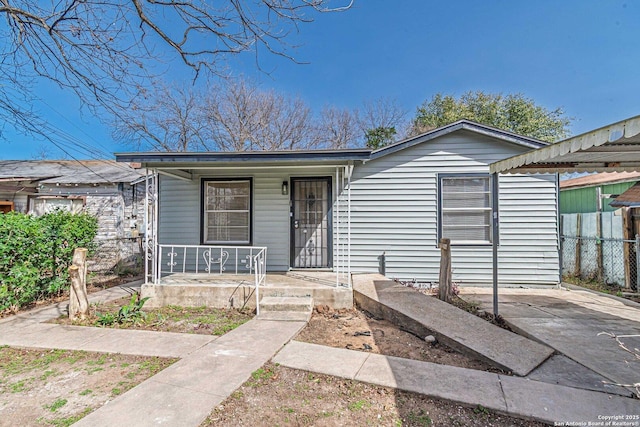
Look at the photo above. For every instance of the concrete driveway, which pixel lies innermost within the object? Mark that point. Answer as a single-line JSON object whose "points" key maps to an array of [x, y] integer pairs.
{"points": [[572, 321]]}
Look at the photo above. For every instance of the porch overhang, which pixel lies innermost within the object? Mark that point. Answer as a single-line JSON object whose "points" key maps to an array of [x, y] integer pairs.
{"points": [[247, 158]]}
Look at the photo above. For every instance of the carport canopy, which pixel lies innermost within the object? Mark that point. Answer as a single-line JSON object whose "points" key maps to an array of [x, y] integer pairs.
{"points": [[612, 148]]}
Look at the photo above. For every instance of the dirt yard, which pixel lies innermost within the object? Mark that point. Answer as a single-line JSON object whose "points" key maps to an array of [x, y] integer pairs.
{"points": [[55, 387], [279, 396], [58, 387]]}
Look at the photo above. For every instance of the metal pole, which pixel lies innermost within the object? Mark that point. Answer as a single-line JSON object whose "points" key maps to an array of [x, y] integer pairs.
{"points": [[637, 262], [349, 226], [337, 223], [559, 230], [146, 225], [494, 240], [156, 259]]}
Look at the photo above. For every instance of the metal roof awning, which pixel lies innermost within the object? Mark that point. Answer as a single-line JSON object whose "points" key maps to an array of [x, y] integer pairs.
{"points": [[612, 148], [195, 159]]}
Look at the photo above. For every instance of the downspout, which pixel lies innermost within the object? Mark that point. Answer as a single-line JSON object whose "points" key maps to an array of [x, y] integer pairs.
{"points": [[495, 237]]}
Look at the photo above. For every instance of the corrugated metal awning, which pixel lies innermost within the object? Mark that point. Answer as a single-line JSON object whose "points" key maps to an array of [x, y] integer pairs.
{"points": [[613, 148]]}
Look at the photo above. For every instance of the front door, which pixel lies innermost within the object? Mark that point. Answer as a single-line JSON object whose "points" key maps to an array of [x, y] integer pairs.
{"points": [[311, 222]]}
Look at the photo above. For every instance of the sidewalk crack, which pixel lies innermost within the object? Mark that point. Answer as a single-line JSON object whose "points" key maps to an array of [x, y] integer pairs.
{"points": [[361, 366], [504, 396]]}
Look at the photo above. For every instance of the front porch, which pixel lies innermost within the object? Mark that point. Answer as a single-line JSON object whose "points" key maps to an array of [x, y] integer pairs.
{"points": [[240, 290]]}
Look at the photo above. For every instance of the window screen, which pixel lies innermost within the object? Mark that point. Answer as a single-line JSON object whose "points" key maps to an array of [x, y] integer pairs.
{"points": [[465, 209], [227, 211]]}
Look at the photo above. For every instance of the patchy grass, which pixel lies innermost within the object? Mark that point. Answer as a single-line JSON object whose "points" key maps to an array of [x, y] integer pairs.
{"points": [[59, 403], [593, 284], [59, 387], [193, 320]]}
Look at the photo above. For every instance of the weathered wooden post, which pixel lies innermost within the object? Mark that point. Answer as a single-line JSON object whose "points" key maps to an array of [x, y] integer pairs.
{"points": [[444, 283], [78, 301]]}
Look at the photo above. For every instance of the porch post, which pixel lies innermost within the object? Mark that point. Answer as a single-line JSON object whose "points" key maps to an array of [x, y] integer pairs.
{"points": [[154, 242], [350, 171], [337, 228], [146, 226], [495, 236]]}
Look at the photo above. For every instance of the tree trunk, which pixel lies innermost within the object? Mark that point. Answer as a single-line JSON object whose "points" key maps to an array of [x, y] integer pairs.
{"points": [[444, 283], [78, 301]]}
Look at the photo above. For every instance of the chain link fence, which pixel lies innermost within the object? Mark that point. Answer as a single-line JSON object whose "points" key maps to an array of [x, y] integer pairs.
{"points": [[606, 260]]}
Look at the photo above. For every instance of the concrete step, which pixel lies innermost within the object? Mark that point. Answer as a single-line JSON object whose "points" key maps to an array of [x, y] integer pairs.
{"points": [[279, 304], [285, 316]]}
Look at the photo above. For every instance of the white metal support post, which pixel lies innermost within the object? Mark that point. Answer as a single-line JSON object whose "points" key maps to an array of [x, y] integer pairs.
{"points": [[337, 228], [146, 226], [495, 236], [156, 259], [349, 173]]}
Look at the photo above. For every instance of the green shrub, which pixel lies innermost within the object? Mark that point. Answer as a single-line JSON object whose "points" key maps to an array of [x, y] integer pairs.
{"points": [[36, 252]]}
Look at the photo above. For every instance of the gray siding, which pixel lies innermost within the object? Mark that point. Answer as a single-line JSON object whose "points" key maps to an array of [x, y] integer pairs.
{"points": [[394, 210], [179, 219]]}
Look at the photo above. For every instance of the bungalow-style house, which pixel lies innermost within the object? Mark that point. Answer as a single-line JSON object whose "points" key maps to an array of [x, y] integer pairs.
{"points": [[112, 192], [351, 211]]}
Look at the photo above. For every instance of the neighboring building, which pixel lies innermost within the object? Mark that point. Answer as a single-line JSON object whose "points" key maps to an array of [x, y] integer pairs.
{"points": [[580, 195], [342, 210], [113, 192]]}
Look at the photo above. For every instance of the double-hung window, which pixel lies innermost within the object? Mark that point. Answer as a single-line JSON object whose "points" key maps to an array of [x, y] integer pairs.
{"points": [[227, 211], [465, 208]]}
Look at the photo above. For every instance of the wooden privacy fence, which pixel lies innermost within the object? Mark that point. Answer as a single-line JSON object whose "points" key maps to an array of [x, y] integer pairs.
{"points": [[600, 246]]}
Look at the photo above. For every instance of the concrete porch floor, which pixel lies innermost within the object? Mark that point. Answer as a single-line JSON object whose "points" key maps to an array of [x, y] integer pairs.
{"points": [[237, 290], [295, 278]]}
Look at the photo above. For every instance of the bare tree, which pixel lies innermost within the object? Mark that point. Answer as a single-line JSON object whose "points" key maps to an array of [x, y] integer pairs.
{"points": [[382, 113], [241, 116], [339, 128], [238, 115], [172, 119], [105, 51], [381, 122]]}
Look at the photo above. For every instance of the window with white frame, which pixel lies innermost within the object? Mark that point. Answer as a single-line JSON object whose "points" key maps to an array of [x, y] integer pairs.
{"points": [[465, 208], [227, 211]]}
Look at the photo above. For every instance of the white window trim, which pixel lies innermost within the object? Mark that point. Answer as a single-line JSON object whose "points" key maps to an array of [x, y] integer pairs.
{"points": [[204, 212], [486, 209]]}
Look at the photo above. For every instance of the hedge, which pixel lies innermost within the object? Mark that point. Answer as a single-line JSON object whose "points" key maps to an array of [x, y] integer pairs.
{"points": [[35, 254]]}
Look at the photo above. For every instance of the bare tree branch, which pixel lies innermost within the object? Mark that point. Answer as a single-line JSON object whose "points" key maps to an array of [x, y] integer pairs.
{"points": [[108, 51]]}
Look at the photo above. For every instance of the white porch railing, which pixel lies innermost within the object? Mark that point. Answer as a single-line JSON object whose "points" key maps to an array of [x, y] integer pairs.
{"points": [[187, 259]]}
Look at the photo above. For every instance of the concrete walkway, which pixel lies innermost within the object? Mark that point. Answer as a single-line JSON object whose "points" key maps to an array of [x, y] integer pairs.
{"points": [[211, 368], [183, 394], [514, 396], [570, 321]]}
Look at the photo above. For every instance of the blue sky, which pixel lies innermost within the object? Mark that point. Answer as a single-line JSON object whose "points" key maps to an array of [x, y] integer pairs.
{"points": [[581, 55]]}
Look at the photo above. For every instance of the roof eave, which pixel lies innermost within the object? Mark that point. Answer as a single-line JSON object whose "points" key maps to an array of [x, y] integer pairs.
{"points": [[200, 159], [456, 126]]}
